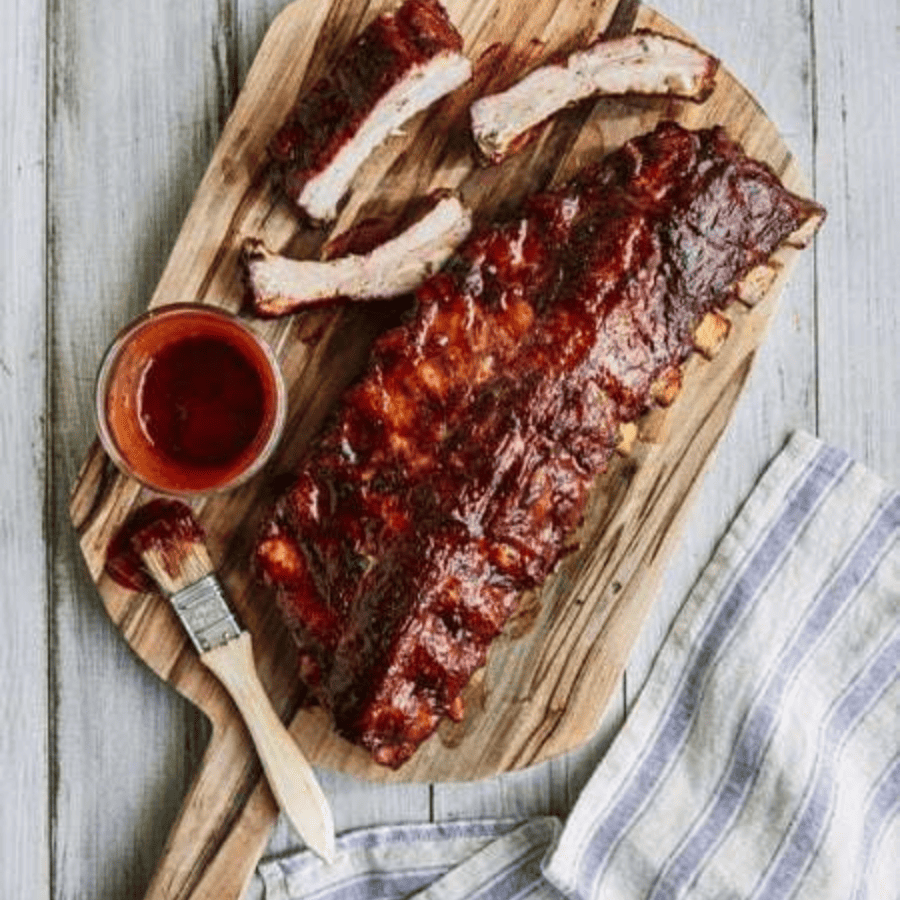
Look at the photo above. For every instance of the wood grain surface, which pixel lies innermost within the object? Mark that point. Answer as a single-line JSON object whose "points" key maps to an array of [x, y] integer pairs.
{"points": [[24, 701], [112, 109], [551, 674]]}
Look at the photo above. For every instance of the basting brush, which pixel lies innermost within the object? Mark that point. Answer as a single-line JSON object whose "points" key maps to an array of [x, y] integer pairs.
{"points": [[173, 551]]}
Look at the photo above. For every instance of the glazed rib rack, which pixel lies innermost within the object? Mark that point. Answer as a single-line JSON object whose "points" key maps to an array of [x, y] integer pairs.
{"points": [[455, 470]]}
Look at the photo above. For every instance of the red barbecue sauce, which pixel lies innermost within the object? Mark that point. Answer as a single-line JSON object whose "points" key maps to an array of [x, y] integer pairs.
{"points": [[202, 402], [192, 402]]}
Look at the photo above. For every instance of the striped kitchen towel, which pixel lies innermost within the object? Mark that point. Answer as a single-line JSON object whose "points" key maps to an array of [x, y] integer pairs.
{"points": [[762, 758], [481, 860]]}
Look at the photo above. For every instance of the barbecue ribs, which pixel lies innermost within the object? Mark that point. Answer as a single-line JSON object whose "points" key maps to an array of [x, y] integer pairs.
{"points": [[450, 477], [397, 66], [642, 62], [279, 285]]}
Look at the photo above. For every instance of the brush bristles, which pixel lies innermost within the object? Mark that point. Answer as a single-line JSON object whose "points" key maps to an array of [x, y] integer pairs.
{"points": [[176, 563]]}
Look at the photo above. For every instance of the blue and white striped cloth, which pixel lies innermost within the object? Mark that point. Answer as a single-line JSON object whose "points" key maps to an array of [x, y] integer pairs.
{"points": [[761, 760]]}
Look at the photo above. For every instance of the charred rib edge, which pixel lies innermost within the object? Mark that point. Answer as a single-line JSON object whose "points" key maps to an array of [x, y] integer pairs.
{"points": [[641, 63], [398, 266]]}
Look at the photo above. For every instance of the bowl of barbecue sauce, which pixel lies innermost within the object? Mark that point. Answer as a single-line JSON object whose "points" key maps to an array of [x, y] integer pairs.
{"points": [[189, 400]]}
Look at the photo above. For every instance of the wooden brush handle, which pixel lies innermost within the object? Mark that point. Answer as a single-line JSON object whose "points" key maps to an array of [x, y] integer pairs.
{"points": [[289, 774]]}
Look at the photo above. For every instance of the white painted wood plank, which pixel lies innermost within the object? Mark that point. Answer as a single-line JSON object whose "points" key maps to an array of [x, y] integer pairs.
{"points": [[136, 102], [252, 19], [857, 99], [24, 822], [768, 45]]}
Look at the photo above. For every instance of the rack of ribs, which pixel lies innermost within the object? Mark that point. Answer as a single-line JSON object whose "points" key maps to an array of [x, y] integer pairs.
{"points": [[454, 471]]}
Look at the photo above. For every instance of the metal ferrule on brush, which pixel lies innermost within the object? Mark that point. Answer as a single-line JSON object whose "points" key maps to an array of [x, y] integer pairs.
{"points": [[204, 612]]}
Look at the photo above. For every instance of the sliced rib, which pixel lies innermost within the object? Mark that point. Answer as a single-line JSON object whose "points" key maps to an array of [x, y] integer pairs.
{"points": [[399, 65], [280, 285], [640, 63]]}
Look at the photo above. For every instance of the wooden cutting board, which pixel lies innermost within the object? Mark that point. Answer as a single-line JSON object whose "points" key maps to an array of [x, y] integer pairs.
{"points": [[550, 674]]}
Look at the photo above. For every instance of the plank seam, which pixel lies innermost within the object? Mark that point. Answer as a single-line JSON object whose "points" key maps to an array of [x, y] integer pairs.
{"points": [[49, 499], [224, 52], [814, 142]]}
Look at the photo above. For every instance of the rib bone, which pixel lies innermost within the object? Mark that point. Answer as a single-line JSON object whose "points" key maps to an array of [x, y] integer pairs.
{"points": [[753, 286], [805, 233], [666, 388], [711, 334], [628, 435]]}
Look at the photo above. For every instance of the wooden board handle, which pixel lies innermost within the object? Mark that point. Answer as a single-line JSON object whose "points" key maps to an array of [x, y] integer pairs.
{"points": [[204, 828], [290, 776]]}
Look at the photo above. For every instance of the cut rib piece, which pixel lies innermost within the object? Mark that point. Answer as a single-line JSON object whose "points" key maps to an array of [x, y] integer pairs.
{"points": [[280, 285], [455, 470], [399, 65], [640, 63]]}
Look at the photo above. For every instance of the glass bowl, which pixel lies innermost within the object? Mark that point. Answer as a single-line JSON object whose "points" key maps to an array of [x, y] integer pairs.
{"points": [[189, 400]]}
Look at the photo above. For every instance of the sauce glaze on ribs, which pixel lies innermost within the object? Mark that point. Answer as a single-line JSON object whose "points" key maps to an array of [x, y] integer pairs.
{"points": [[455, 470]]}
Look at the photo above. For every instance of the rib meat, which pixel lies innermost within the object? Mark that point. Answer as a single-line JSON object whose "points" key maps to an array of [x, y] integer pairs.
{"points": [[280, 285], [455, 469], [640, 63], [397, 66]]}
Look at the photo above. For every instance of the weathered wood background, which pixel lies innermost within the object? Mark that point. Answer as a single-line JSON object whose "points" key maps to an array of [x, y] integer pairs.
{"points": [[110, 112]]}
